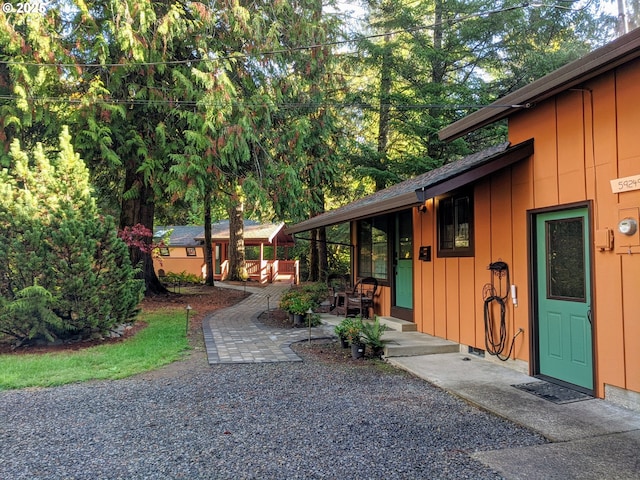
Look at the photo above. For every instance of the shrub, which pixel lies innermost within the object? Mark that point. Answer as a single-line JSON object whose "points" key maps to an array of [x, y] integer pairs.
{"points": [[372, 334], [58, 254], [300, 299], [182, 278], [342, 329], [354, 331]]}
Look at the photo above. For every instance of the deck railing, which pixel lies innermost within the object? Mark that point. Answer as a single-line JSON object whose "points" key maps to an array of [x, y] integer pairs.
{"points": [[267, 271]]}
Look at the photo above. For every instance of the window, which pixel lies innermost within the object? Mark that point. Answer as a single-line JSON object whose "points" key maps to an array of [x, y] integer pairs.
{"points": [[164, 251], [191, 252], [566, 275], [373, 248], [455, 225]]}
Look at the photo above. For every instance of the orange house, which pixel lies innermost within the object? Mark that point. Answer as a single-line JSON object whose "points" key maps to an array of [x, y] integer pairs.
{"points": [[527, 252], [266, 249]]}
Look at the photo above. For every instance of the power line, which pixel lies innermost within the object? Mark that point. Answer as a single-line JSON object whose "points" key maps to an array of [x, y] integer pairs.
{"points": [[337, 43], [284, 105]]}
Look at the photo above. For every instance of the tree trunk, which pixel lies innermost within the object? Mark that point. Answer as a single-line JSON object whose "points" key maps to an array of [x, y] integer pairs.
{"points": [[437, 65], [237, 262], [323, 261], [208, 247], [384, 116], [139, 209], [313, 257]]}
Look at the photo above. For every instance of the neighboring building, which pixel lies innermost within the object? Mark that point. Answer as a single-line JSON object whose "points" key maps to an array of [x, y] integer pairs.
{"points": [[266, 248], [181, 253], [558, 206]]}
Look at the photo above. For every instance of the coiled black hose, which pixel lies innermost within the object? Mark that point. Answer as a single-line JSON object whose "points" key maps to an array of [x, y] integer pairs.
{"points": [[497, 346]]}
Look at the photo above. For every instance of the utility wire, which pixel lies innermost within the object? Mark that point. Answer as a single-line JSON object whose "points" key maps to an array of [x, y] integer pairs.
{"points": [[189, 103], [238, 55]]}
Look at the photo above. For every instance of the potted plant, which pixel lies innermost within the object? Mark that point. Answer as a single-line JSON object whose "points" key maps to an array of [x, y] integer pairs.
{"points": [[341, 330], [354, 335], [300, 305], [372, 336]]}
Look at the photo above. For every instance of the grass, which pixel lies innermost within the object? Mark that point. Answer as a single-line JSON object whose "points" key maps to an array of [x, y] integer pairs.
{"points": [[161, 342]]}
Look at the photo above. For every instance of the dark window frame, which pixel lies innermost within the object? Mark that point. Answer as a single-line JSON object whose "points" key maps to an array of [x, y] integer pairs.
{"points": [[447, 214], [366, 244]]}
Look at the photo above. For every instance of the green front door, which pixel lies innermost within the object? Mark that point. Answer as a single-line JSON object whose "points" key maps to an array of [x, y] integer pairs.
{"points": [[564, 330], [403, 282]]}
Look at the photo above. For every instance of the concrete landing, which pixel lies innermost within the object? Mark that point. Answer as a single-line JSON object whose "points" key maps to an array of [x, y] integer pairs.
{"points": [[590, 439], [402, 341], [406, 344], [398, 325]]}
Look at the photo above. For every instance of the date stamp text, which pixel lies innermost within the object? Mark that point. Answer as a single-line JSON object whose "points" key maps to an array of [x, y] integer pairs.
{"points": [[24, 8]]}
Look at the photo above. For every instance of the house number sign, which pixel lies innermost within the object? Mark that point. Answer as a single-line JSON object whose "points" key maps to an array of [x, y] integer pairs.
{"points": [[625, 184]]}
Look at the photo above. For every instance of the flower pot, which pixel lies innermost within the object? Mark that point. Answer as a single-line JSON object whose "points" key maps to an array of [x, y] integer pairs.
{"points": [[377, 352], [357, 350], [344, 342], [298, 320]]}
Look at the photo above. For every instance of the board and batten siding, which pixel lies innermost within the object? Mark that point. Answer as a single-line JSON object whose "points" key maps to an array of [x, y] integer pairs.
{"points": [[584, 138], [450, 302]]}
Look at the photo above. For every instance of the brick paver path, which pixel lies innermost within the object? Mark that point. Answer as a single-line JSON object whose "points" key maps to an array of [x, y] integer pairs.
{"points": [[233, 334]]}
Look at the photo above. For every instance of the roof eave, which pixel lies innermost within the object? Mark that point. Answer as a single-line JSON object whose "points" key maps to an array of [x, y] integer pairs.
{"points": [[491, 165], [401, 202], [276, 231]]}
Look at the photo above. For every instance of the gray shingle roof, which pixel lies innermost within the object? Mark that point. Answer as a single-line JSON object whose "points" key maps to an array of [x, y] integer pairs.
{"points": [[404, 194], [181, 235], [193, 235]]}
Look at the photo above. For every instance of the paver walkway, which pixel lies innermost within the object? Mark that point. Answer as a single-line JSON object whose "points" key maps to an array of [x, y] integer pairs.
{"points": [[233, 334]]}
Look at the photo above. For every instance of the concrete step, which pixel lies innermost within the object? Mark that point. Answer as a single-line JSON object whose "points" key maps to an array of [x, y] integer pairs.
{"points": [[406, 344], [398, 325]]}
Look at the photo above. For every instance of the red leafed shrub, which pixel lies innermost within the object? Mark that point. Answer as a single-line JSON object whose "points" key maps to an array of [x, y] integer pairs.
{"points": [[138, 236]]}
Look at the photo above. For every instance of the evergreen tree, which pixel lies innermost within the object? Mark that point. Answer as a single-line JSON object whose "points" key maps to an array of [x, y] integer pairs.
{"points": [[434, 61], [29, 111], [64, 271]]}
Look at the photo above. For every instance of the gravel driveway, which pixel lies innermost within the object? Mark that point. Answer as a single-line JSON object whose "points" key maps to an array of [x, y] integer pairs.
{"points": [[304, 420]]}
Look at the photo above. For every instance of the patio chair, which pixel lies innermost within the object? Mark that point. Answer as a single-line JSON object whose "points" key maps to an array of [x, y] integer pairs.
{"points": [[337, 284], [359, 300]]}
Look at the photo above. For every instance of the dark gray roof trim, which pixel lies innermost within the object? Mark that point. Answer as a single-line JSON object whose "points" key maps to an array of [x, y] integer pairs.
{"points": [[605, 58], [458, 174], [411, 192]]}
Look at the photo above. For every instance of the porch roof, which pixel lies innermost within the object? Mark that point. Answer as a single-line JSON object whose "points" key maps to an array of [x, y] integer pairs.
{"points": [[415, 191], [193, 235], [254, 232], [601, 60]]}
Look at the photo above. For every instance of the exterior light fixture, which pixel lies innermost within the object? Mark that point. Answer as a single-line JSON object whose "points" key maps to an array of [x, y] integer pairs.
{"points": [[188, 309], [309, 313]]}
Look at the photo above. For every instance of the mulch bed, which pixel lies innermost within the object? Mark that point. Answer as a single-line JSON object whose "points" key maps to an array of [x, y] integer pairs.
{"points": [[324, 349], [203, 300]]}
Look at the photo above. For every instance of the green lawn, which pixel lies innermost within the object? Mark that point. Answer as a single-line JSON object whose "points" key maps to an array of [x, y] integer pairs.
{"points": [[161, 342]]}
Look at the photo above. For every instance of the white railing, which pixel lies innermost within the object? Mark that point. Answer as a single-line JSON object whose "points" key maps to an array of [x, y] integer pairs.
{"points": [[267, 271]]}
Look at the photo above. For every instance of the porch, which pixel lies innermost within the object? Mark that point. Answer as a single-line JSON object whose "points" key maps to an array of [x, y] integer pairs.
{"points": [[266, 271]]}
